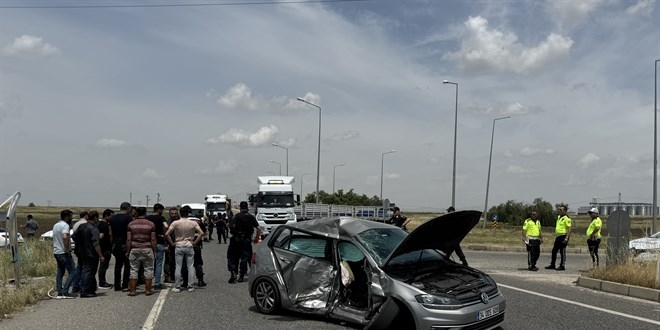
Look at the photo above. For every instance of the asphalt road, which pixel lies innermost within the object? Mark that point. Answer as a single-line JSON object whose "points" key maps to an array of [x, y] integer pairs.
{"points": [[545, 299]]}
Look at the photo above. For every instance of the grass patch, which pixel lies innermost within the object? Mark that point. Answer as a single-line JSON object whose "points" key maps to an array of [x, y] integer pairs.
{"points": [[37, 273], [631, 272]]}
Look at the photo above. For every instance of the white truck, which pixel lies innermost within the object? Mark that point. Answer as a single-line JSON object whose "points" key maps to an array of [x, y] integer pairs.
{"points": [[274, 202], [216, 204]]}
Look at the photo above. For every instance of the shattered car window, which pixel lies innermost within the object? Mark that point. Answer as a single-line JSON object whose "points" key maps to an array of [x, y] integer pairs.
{"points": [[380, 242], [349, 252]]}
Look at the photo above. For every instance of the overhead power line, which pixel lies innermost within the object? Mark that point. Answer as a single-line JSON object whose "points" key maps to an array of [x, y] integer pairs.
{"points": [[200, 4]]}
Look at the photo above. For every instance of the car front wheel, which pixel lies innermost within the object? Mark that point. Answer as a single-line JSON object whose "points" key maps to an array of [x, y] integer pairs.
{"points": [[266, 296]]}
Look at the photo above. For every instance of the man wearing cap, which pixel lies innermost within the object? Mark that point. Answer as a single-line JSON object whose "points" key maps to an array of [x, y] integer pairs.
{"points": [[240, 245], [531, 235], [563, 232], [593, 235]]}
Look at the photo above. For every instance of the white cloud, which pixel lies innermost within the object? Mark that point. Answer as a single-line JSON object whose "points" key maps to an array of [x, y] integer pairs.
{"points": [[262, 137], [240, 97], [489, 49], [30, 45], [110, 143], [569, 14], [223, 167], [516, 169], [588, 159], [150, 173], [531, 151], [392, 175], [345, 136], [642, 7]]}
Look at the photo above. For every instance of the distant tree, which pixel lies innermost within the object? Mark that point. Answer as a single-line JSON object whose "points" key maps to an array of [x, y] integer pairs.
{"points": [[515, 212], [343, 198], [31, 205]]}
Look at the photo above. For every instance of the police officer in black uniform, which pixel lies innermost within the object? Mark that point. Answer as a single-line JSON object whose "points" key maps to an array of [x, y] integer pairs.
{"points": [[240, 244]]}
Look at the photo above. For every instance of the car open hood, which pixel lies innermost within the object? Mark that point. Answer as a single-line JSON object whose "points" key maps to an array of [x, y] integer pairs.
{"points": [[441, 233]]}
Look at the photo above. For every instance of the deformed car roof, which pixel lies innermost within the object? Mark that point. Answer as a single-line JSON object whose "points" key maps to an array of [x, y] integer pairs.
{"points": [[336, 227], [441, 233]]}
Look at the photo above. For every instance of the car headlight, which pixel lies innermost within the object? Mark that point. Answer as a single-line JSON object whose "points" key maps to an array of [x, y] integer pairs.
{"points": [[438, 302], [260, 216]]}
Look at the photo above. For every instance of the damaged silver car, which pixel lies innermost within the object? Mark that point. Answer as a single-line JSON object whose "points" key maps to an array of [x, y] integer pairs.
{"points": [[375, 275]]}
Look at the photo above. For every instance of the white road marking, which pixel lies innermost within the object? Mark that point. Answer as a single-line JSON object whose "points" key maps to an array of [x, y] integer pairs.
{"points": [[150, 323], [638, 318]]}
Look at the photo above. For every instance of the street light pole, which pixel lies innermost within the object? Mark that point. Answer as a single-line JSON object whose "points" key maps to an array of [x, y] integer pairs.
{"points": [[382, 162], [287, 156], [334, 168], [318, 160], [301, 185], [655, 146], [490, 158], [453, 176], [274, 162]]}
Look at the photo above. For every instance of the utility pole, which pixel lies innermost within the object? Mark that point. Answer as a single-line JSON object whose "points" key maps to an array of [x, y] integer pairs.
{"points": [[157, 197], [147, 201], [130, 198], [49, 201]]}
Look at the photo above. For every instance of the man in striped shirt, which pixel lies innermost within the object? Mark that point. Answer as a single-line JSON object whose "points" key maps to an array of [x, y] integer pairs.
{"points": [[141, 243]]}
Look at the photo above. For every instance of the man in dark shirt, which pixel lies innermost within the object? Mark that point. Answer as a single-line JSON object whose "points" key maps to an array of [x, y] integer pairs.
{"points": [[240, 245], [398, 219], [106, 247], [161, 226], [118, 233], [89, 254]]}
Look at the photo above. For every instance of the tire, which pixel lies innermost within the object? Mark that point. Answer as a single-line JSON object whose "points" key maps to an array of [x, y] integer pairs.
{"points": [[266, 296], [385, 317]]}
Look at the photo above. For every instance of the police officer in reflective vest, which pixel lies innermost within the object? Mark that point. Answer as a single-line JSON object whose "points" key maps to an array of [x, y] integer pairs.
{"points": [[531, 235], [563, 232], [593, 235], [240, 244]]}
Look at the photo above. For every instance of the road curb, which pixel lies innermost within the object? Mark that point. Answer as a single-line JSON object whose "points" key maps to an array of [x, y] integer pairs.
{"points": [[620, 289]]}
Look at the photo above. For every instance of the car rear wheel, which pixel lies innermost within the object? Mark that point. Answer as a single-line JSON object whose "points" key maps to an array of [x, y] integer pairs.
{"points": [[266, 296]]}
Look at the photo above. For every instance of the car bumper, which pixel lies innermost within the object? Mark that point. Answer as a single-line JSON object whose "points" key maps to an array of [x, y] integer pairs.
{"points": [[464, 318]]}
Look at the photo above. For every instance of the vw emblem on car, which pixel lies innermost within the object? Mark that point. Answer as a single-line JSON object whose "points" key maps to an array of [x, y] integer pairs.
{"points": [[484, 297]]}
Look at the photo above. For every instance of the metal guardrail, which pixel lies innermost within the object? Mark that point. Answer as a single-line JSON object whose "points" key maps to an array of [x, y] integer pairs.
{"points": [[306, 211], [12, 228]]}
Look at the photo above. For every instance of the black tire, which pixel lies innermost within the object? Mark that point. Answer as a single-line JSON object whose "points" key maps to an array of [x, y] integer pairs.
{"points": [[266, 296], [385, 317]]}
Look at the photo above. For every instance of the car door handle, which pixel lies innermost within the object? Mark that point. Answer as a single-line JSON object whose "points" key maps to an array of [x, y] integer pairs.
{"points": [[284, 259]]}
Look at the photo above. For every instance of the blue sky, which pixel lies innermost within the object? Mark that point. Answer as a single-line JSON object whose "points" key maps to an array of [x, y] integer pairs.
{"points": [[98, 103]]}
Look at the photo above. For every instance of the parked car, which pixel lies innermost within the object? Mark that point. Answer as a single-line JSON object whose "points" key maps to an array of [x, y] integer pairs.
{"points": [[375, 274], [645, 244], [4, 237], [48, 236]]}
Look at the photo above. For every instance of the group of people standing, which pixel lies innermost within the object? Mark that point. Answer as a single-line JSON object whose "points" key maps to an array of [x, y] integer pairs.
{"points": [[532, 236], [138, 242]]}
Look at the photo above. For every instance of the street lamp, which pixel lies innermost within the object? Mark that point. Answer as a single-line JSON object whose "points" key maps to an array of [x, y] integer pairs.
{"points": [[301, 185], [382, 161], [287, 156], [274, 162], [453, 177], [334, 168], [490, 158], [655, 147], [318, 160]]}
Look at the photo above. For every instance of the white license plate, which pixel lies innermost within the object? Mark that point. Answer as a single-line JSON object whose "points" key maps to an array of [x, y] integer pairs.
{"points": [[486, 313]]}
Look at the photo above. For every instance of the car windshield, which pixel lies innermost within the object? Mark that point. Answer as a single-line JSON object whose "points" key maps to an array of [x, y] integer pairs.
{"points": [[380, 242], [275, 199]]}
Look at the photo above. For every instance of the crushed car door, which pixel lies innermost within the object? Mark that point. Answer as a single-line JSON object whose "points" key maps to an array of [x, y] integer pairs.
{"points": [[307, 267]]}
